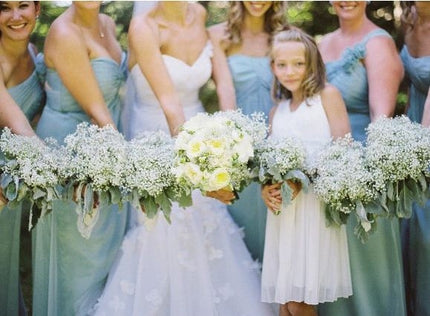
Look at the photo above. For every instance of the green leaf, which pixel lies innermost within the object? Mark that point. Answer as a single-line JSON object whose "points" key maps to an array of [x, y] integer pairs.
{"points": [[163, 201], [115, 195], [151, 208], [286, 194], [5, 180]]}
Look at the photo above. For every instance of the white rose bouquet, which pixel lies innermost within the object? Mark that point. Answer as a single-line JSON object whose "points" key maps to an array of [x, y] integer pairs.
{"points": [[29, 170], [277, 160], [346, 185], [213, 151], [400, 150], [94, 168], [149, 180]]}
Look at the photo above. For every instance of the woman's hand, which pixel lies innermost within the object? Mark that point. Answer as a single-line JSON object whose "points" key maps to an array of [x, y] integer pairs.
{"points": [[271, 194], [224, 195], [3, 200], [96, 201], [295, 187]]}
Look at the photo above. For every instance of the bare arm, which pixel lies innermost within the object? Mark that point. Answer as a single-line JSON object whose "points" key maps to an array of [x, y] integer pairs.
{"points": [[385, 72], [66, 51], [335, 110], [145, 46], [426, 114], [11, 114], [220, 70]]}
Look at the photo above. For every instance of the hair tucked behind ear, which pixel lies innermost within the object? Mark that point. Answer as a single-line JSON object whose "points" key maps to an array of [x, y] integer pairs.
{"points": [[315, 77], [274, 20]]}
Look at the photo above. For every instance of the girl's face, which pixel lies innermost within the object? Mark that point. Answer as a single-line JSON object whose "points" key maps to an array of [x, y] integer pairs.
{"points": [[257, 8], [17, 19], [350, 10], [289, 65]]}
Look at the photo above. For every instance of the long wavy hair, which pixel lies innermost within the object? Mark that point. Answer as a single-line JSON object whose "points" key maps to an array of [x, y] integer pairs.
{"points": [[274, 20], [315, 75]]}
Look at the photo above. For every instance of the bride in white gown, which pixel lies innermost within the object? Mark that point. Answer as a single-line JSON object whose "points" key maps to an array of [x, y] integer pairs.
{"points": [[198, 264]]}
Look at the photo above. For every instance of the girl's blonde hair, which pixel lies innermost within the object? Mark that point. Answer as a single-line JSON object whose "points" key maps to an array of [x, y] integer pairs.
{"points": [[315, 76], [274, 20]]}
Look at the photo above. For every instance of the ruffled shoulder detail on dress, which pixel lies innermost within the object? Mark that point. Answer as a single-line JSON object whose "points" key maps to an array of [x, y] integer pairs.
{"points": [[40, 66], [352, 56]]}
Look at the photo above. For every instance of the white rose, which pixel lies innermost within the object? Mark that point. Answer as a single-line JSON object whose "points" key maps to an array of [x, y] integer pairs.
{"points": [[195, 147], [193, 173], [244, 148], [219, 179]]}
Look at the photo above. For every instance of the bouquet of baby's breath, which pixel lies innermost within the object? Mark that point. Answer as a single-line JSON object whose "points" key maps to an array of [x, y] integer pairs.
{"points": [[94, 167], [277, 160], [400, 150], [29, 169], [149, 180], [345, 184], [213, 151]]}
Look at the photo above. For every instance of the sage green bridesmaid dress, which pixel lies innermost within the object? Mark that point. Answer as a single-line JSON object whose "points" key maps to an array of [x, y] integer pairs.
{"points": [[252, 78], [376, 266], [29, 96], [416, 230], [69, 271]]}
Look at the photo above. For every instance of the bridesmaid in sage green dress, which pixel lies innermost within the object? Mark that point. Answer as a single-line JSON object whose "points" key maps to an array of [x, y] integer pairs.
{"points": [[363, 63], [85, 70], [415, 55], [21, 97], [244, 78]]}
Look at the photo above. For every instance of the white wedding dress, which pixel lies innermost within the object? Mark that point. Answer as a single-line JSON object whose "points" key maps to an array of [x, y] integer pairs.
{"points": [[197, 265]]}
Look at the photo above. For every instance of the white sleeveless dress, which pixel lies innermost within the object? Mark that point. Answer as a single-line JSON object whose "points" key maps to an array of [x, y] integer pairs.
{"points": [[198, 264], [304, 260]]}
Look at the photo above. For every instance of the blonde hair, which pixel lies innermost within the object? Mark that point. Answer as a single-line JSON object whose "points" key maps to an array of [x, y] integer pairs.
{"points": [[315, 77], [274, 20]]}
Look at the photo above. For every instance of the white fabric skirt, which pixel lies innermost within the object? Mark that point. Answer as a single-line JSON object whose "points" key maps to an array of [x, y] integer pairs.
{"points": [[197, 265], [304, 260]]}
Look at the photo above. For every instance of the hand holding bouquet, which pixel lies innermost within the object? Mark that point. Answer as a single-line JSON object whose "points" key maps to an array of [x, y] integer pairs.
{"points": [[400, 150], [213, 151], [346, 185], [30, 170], [278, 160]]}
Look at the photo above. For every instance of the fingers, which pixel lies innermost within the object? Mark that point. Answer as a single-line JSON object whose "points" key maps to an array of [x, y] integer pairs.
{"points": [[223, 196], [295, 187]]}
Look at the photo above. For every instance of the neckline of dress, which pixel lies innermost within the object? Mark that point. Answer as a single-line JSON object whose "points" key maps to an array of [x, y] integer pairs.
{"points": [[193, 63], [409, 54]]}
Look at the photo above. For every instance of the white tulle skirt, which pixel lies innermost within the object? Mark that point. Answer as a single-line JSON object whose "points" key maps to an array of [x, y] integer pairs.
{"points": [[197, 265], [304, 260]]}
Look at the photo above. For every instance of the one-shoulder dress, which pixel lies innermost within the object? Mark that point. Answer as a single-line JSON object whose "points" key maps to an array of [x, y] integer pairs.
{"points": [[29, 95], [252, 79], [69, 271], [376, 266]]}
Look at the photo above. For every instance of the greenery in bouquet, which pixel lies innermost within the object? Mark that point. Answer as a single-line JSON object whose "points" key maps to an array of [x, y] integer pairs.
{"points": [[346, 185], [149, 180], [213, 150], [277, 160], [400, 150], [29, 170], [94, 168]]}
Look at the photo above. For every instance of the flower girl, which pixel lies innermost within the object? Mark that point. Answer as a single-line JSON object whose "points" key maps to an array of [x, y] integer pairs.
{"points": [[305, 262]]}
